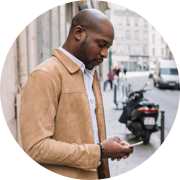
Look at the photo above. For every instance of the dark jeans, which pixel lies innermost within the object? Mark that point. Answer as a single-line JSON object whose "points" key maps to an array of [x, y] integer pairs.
{"points": [[106, 82], [111, 83]]}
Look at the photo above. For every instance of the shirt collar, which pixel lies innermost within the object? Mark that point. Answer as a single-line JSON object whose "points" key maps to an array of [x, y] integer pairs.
{"points": [[78, 62], [91, 72]]}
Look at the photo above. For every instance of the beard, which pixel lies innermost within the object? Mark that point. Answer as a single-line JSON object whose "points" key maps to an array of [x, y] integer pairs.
{"points": [[84, 52]]}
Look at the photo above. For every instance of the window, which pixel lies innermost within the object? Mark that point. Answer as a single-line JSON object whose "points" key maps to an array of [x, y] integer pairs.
{"points": [[172, 71], [145, 35], [128, 49], [119, 34], [145, 50], [118, 8], [119, 22], [145, 23], [128, 22], [128, 34], [153, 38], [136, 49], [153, 51], [136, 22], [136, 34], [120, 49], [162, 40], [162, 52]]}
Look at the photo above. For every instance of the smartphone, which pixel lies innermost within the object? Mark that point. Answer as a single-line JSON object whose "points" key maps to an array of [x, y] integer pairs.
{"points": [[135, 144]]}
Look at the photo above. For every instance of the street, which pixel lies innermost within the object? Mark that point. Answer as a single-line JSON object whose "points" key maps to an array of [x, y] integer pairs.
{"points": [[167, 99]]}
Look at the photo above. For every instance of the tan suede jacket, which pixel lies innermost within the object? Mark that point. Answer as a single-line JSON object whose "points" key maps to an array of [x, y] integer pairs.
{"points": [[55, 120]]}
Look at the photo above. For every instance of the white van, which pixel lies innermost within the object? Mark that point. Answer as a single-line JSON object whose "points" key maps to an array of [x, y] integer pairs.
{"points": [[166, 74]]}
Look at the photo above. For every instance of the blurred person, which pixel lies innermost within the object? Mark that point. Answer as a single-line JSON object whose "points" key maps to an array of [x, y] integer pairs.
{"points": [[111, 78], [121, 73], [125, 71]]}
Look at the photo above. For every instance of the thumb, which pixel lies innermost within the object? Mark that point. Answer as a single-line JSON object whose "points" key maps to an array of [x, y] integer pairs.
{"points": [[127, 149]]}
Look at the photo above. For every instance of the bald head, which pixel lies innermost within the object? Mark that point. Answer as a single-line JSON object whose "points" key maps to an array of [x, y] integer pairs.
{"points": [[91, 19], [90, 36]]}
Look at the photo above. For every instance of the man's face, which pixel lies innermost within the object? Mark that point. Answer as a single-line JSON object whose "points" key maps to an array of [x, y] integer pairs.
{"points": [[95, 46]]}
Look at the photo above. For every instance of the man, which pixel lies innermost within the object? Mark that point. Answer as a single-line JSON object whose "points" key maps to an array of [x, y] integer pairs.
{"points": [[62, 117], [125, 70], [111, 78]]}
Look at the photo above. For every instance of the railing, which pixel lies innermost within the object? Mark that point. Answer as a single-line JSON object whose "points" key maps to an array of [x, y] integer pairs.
{"points": [[121, 92]]}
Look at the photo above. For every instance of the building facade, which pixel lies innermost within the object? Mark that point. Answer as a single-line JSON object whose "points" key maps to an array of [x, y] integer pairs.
{"points": [[34, 45], [157, 46], [169, 54], [137, 44], [131, 40]]}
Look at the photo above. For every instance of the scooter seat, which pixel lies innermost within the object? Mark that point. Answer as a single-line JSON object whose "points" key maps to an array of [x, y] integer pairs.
{"points": [[147, 104]]}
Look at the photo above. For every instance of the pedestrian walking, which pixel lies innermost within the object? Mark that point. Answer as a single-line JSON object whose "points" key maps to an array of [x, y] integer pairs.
{"points": [[116, 71], [111, 78], [105, 84], [121, 73], [125, 71]]}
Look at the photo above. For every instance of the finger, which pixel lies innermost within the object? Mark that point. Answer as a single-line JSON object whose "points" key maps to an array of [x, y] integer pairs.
{"points": [[124, 143], [118, 159], [117, 139], [125, 157], [127, 149], [132, 150]]}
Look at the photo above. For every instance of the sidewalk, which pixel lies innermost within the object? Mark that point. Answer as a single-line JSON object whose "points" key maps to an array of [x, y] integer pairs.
{"points": [[114, 128]]}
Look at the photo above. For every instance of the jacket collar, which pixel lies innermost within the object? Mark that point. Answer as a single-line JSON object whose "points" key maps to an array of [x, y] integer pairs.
{"points": [[70, 65], [66, 61]]}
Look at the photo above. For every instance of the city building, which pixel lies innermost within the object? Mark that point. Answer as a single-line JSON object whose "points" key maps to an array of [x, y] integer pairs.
{"points": [[130, 49], [34, 45], [157, 45], [169, 54], [137, 43]]}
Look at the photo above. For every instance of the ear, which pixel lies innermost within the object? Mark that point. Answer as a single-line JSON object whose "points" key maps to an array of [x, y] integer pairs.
{"points": [[79, 32]]}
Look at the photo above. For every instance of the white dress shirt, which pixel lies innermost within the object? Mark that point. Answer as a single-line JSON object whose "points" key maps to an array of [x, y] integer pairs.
{"points": [[88, 80]]}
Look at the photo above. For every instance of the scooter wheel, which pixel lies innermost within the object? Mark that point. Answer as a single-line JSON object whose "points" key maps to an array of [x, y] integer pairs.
{"points": [[146, 137]]}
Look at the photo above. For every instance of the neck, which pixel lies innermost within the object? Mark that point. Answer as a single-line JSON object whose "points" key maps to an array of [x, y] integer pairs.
{"points": [[71, 48], [68, 48]]}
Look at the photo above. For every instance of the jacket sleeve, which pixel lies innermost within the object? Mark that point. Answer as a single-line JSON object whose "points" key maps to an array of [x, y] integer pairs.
{"points": [[39, 103]]}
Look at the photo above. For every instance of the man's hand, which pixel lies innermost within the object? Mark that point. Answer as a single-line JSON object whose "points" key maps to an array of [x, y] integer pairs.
{"points": [[116, 148], [123, 143]]}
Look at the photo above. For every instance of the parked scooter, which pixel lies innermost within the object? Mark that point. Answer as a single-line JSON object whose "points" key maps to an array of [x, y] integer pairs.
{"points": [[139, 115]]}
